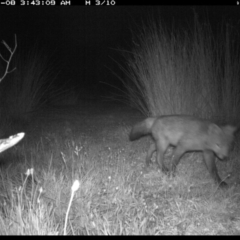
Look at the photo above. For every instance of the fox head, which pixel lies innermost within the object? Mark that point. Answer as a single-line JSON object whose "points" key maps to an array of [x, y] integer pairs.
{"points": [[220, 139]]}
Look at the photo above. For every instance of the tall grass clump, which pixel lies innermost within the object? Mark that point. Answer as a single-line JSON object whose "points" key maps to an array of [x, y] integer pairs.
{"points": [[191, 71], [31, 82], [27, 88]]}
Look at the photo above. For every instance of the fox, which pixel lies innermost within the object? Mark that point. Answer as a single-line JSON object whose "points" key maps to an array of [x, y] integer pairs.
{"points": [[186, 134]]}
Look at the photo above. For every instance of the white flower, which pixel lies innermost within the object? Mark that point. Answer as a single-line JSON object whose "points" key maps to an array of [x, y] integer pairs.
{"points": [[29, 171], [75, 186]]}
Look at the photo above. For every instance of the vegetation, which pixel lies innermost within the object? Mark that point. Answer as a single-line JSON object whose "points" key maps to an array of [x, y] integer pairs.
{"points": [[27, 80], [85, 177], [192, 71], [115, 195]]}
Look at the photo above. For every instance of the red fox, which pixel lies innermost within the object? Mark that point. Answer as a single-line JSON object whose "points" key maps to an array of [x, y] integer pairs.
{"points": [[186, 133]]}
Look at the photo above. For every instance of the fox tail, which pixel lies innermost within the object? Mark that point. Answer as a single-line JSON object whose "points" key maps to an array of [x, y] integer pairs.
{"points": [[141, 129]]}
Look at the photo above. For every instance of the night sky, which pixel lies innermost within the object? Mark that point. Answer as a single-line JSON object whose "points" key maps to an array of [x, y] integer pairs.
{"points": [[83, 41]]}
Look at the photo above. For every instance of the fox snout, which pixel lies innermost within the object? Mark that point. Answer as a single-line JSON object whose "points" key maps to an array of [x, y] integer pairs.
{"points": [[222, 152], [222, 156]]}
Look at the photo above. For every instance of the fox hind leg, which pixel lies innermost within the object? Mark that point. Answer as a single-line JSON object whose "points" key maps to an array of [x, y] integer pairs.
{"points": [[150, 152], [161, 148], [177, 154]]}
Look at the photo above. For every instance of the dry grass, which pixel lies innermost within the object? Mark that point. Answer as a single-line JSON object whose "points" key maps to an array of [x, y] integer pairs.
{"points": [[116, 195], [191, 71], [27, 89]]}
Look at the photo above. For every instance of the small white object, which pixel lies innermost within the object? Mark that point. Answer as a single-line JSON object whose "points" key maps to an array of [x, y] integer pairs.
{"points": [[11, 141]]}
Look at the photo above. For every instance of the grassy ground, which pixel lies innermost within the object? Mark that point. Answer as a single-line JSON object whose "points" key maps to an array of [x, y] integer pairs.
{"points": [[117, 195]]}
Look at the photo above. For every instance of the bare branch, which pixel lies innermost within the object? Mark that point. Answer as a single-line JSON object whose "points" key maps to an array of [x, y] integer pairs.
{"points": [[10, 58], [3, 58]]}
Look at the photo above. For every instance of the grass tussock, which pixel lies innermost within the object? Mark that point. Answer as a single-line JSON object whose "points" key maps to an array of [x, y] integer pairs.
{"points": [[27, 89], [193, 71], [29, 86]]}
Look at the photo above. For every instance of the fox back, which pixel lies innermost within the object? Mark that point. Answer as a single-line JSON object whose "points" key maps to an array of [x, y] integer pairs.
{"points": [[193, 134]]}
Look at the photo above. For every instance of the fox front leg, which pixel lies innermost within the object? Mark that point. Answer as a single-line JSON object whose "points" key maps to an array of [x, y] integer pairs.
{"points": [[160, 153], [209, 160]]}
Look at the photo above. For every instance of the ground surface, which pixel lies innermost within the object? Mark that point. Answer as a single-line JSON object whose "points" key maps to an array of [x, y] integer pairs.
{"points": [[90, 117], [116, 188]]}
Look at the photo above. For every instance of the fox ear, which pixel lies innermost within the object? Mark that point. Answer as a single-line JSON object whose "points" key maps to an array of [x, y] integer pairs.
{"points": [[214, 129], [229, 129]]}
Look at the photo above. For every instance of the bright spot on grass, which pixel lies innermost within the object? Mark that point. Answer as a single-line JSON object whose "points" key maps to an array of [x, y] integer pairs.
{"points": [[75, 186]]}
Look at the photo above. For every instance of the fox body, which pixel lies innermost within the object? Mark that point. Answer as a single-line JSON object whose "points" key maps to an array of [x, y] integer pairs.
{"points": [[186, 133]]}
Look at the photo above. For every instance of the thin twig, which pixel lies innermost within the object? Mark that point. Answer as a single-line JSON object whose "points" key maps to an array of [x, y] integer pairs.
{"points": [[10, 58]]}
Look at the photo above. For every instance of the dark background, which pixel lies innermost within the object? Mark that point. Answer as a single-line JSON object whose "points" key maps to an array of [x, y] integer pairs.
{"points": [[82, 41]]}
